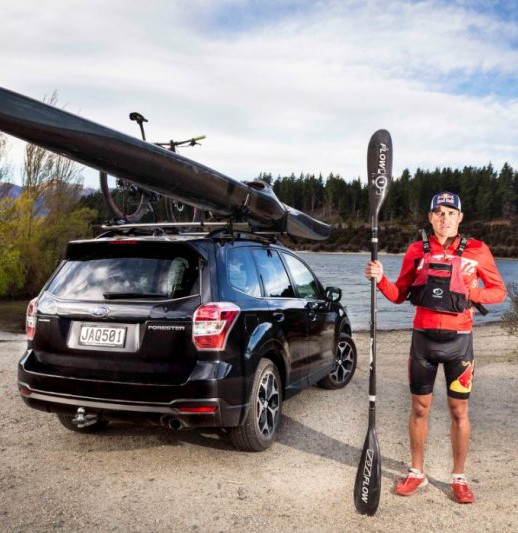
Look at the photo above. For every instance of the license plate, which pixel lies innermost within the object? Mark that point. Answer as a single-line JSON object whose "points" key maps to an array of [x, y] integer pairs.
{"points": [[102, 336]]}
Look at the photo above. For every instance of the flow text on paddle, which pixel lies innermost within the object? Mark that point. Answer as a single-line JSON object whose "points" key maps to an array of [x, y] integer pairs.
{"points": [[367, 472], [380, 177]]}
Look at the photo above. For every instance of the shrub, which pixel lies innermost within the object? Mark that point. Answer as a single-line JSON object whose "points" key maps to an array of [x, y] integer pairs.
{"points": [[510, 318]]}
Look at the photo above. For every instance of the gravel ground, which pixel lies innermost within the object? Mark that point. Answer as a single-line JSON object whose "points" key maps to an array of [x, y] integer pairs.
{"points": [[152, 479]]}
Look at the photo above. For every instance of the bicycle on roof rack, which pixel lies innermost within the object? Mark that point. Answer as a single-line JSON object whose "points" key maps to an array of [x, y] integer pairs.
{"points": [[129, 202]]}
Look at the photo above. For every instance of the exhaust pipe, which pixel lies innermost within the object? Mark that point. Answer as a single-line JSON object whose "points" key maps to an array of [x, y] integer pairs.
{"points": [[83, 420], [172, 423], [175, 424]]}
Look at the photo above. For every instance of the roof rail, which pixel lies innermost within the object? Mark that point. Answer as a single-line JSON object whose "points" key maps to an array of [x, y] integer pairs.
{"points": [[174, 225], [268, 237], [211, 229]]}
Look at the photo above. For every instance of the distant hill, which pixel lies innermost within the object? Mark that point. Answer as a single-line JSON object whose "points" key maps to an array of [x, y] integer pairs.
{"points": [[11, 190], [88, 191]]}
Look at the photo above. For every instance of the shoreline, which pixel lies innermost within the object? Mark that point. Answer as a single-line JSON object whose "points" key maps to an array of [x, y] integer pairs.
{"points": [[380, 252], [491, 344], [486, 324]]}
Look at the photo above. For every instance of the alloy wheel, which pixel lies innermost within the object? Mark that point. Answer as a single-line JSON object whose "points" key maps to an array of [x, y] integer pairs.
{"points": [[344, 362], [268, 404]]}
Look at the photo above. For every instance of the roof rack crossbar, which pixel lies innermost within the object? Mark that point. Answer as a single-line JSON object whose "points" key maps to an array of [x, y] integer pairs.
{"points": [[173, 225], [194, 229]]}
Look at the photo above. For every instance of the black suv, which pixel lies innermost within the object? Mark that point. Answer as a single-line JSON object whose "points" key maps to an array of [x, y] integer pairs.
{"points": [[188, 331]]}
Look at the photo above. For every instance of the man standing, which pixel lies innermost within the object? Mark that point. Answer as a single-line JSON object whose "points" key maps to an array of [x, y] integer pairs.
{"points": [[440, 277]]}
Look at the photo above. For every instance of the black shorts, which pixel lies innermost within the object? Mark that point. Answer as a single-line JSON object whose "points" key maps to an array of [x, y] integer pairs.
{"points": [[454, 350]]}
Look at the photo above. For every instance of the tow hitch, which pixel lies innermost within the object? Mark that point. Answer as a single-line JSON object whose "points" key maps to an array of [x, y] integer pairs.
{"points": [[83, 420]]}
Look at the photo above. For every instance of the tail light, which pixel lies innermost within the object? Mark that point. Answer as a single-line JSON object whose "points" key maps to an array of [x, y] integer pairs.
{"points": [[212, 323], [203, 409], [30, 319]]}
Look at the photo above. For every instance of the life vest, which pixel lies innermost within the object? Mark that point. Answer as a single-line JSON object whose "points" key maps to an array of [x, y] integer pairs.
{"points": [[439, 284]]}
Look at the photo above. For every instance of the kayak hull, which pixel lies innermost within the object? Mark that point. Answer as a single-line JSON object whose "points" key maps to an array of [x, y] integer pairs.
{"points": [[152, 167]]}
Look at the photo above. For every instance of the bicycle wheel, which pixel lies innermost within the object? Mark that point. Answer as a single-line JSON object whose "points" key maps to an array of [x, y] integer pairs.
{"points": [[125, 200], [178, 212]]}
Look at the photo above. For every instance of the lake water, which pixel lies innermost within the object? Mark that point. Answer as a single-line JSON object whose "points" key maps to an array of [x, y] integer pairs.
{"points": [[346, 271]]}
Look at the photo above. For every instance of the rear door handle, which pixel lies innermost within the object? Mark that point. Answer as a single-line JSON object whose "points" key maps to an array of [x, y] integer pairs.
{"points": [[279, 317]]}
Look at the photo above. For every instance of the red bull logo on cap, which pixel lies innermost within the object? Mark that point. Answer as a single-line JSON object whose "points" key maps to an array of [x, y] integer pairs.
{"points": [[447, 199]]}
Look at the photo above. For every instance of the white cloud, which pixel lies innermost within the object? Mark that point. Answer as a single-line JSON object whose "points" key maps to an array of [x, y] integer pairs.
{"points": [[289, 94]]}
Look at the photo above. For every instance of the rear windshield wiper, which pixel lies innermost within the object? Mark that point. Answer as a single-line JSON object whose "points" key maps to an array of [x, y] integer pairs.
{"points": [[135, 295]]}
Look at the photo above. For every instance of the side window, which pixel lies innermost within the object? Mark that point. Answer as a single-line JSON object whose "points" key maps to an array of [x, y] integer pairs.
{"points": [[242, 274], [275, 279], [304, 280]]}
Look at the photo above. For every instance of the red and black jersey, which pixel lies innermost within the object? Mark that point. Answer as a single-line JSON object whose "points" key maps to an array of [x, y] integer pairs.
{"points": [[477, 262]]}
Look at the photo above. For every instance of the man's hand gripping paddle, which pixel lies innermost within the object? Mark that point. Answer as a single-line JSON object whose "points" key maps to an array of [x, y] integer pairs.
{"points": [[367, 487]]}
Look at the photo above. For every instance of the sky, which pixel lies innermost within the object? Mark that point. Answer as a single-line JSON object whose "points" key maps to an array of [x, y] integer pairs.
{"points": [[287, 86]]}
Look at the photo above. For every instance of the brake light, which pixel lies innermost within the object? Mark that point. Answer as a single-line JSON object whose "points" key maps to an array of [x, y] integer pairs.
{"points": [[212, 323], [30, 319], [198, 409], [125, 241]]}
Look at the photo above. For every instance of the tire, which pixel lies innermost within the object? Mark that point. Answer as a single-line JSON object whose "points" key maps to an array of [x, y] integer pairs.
{"points": [[345, 364], [66, 420], [125, 200], [179, 212], [264, 414]]}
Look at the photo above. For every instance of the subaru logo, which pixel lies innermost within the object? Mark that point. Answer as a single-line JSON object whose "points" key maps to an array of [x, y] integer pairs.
{"points": [[99, 311]]}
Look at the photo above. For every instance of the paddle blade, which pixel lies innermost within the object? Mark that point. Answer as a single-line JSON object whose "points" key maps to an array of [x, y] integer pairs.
{"points": [[367, 487], [379, 169]]}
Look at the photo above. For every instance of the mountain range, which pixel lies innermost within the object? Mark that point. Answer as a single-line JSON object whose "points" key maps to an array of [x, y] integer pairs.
{"points": [[11, 190]]}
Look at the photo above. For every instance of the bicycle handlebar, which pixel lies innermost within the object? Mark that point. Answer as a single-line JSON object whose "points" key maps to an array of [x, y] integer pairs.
{"points": [[190, 142]]}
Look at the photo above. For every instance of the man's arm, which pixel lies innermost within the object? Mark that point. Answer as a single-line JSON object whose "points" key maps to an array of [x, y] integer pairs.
{"points": [[494, 290], [397, 292]]}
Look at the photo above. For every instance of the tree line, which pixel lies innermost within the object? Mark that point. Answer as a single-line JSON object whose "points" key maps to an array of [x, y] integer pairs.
{"points": [[489, 201], [486, 194]]}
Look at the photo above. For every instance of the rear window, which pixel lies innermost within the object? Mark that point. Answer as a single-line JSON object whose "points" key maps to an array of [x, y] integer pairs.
{"points": [[133, 270]]}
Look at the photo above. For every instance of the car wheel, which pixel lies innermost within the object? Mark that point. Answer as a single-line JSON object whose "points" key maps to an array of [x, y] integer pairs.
{"points": [[345, 364], [97, 426], [264, 414]]}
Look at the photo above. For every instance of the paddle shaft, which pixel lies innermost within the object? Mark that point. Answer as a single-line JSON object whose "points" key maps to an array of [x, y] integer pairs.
{"points": [[373, 326]]}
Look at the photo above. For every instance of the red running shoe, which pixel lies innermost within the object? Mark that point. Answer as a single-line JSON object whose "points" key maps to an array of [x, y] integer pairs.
{"points": [[461, 492], [413, 481]]}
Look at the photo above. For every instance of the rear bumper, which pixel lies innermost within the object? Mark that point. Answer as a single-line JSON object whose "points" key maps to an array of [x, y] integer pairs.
{"points": [[157, 403]]}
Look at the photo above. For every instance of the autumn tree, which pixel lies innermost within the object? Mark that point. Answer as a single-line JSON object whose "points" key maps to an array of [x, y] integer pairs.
{"points": [[36, 226], [5, 169]]}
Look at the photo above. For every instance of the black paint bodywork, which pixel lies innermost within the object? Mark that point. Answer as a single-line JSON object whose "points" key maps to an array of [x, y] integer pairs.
{"points": [[167, 371]]}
